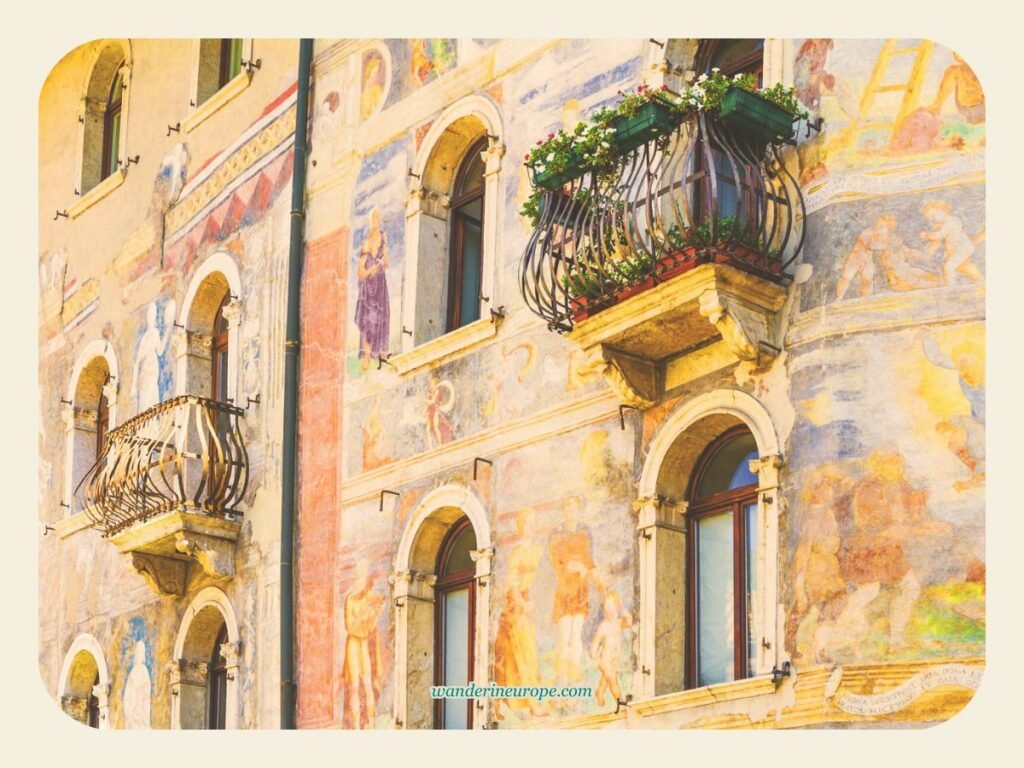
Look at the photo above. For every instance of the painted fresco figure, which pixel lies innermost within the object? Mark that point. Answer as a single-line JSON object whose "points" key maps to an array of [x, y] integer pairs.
{"points": [[138, 702], [362, 668], [960, 82], [965, 435], [818, 584], [570, 550], [606, 646], [898, 264], [151, 350], [515, 646], [439, 403], [373, 310], [889, 521], [861, 259], [948, 234]]}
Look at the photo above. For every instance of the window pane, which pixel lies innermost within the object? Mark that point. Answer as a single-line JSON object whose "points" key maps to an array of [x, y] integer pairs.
{"points": [[715, 646], [115, 141], [472, 177], [752, 603], [235, 62], [459, 559], [729, 468], [456, 653], [470, 288]]}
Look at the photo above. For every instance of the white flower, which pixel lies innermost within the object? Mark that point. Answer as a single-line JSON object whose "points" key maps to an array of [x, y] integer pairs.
{"points": [[737, 76], [551, 156], [605, 144], [703, 77], [715, 69], [539, 168]]}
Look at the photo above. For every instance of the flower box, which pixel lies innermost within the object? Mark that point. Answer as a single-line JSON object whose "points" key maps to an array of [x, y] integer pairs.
{"points": [[651, 120], [554, 181], [756, 117]]}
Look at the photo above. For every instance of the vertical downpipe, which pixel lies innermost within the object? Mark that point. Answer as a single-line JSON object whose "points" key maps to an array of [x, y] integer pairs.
{"points": [[291, 390]]}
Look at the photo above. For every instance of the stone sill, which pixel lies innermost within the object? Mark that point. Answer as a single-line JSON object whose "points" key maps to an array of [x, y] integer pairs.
{"points": [[446, 347], [234, 87], [97, 193], [761, 685], [71, 524]]}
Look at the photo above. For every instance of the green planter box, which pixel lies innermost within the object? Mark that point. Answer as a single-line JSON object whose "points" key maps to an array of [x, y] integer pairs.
{"points": [[555, 181], [653, 119], [756, 117]]}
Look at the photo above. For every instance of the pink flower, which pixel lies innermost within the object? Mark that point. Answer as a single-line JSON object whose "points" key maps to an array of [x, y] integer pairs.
{"points": [[539, 142], [551, 135]]}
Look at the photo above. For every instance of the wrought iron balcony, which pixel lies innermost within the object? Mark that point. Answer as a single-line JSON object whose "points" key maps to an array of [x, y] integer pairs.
{"points": [[705, 192], [185, 454], [167, 487]]}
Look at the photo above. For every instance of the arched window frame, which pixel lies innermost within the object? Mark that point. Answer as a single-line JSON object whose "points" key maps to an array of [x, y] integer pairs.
{"points": [[445, 584], [97, 697], [414, 581], [188, 685], [661, 536], [81, 425], [193, 342], [424, 210], [96, 174], [457, 237], [733, 501]]}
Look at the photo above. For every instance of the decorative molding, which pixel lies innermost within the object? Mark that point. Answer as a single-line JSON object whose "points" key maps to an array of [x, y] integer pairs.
{"points": [[215, 555], [604, 361], [71, 525], [742, 327]]}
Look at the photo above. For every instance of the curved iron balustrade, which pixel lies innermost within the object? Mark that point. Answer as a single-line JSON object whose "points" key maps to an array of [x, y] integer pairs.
{"points": [[702, 193], [184, 454]]}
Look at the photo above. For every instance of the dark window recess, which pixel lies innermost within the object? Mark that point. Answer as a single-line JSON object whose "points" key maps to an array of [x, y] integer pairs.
{"points": [[465, 258], [217, 685]]}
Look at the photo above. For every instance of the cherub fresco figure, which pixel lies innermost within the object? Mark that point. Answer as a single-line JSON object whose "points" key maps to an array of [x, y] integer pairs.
{"points": [[900, 273], [606, 647], [361, 671], [438, 404], [876, 239], [948, 233]]}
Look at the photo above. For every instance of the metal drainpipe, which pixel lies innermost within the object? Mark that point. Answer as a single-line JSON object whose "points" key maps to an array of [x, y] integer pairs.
{"points": [[291, 390]]}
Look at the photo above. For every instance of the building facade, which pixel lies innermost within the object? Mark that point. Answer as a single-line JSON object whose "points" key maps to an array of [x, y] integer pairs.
{"points": [[738, 485]]}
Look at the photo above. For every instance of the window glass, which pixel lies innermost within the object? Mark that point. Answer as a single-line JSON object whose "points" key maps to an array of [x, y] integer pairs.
{"points": [[715, 649], [456, 653], [458, 558], [729, 468]]}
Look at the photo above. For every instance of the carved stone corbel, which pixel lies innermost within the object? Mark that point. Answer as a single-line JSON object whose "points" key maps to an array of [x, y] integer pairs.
{"points": [[215, 555], [164, 575], [598, 359], [742, 327], [232, 312]]}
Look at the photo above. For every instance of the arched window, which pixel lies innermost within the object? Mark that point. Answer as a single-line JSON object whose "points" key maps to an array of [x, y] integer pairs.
{"points": [[466, 239], [112, 125], [89, 416], [454, 617], [103, 116], [452, 229], [219, 355], [217, 684], [84, 683], [721, 535], [204, 676], [731, 57], [220, 61]]}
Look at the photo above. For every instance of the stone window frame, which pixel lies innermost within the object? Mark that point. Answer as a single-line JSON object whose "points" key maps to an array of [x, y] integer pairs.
{"points": [[413, 589], [90, 119], [77, 420], [192, 347], [85, 643], [661, 529], [183, 671], [424, 202]]}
